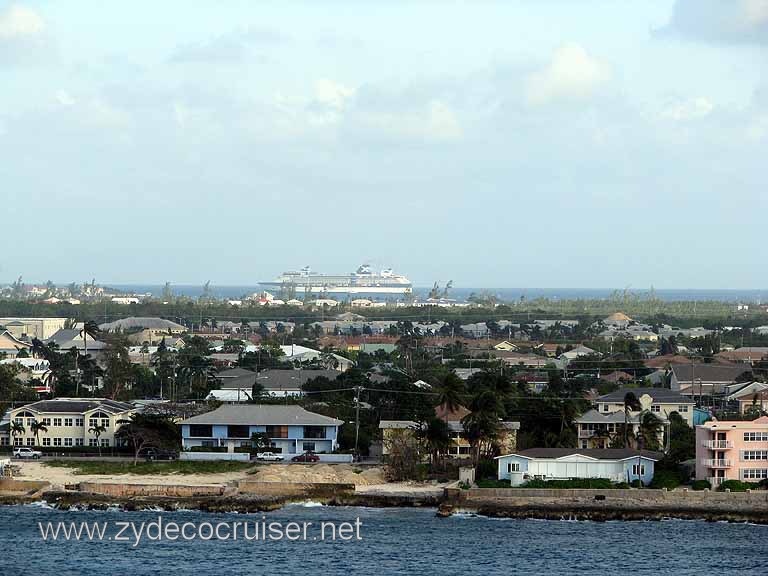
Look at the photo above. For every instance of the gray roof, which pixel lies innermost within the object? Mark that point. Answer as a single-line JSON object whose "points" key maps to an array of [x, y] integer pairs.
{"points": [[234, 373], [290, 379], [141, 322], [263, 415], [595, 417], [246, 381], [597, 453], [708, 372], [664, 395], [79, 405], [67, 338]]}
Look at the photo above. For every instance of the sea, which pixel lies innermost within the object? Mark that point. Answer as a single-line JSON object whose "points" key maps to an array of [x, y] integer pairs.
{"points": [[393, 541], [752, 296]]}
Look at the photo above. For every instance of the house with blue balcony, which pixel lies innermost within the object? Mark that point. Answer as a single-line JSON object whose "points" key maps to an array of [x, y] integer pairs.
{"points": [[615, 464], [291, 429]]}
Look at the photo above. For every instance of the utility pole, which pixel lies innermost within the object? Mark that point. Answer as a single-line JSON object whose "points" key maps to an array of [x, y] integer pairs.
{"points": [[358, 390]]}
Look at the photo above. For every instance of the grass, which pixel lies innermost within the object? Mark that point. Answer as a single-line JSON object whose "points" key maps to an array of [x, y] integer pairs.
{"points": [[176, 467]]}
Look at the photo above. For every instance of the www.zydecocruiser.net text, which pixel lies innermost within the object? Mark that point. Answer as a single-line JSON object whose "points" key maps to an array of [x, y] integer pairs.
{"points": [[137, 533]]}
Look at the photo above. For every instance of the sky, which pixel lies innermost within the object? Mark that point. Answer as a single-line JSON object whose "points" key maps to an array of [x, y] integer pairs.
{"points": [[528, 143]]}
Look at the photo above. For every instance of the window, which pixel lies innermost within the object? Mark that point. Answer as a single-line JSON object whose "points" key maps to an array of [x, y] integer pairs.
{"points": [[92, 423], [17, 441], [513, 467], [200, 430], [67, 441], [755, 436], [638, 469], [4, 441], [57, 421], [314, 432], [80, 422], [234, 431], [46, 441], [754, 473], [604, 407], [47, 421], [105, 442], [67, 421], [655, 408], [30, 441], [78, 441], [30, 421], [277, 431], [682, 408], [754, 455], [57, 441], [308, 446], [19, 421], [105, 422], [92, 442]]}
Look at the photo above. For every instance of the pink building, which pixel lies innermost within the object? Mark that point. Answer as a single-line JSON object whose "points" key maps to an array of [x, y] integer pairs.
{"points": [[732, 450]]}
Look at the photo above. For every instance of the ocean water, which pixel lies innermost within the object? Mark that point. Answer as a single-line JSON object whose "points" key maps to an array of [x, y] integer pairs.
{"points": [[504, 294], [393, 542]]}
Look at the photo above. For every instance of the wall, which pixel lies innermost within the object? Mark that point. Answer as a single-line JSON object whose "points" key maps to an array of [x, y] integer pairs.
{"points": [[292, 488], [235, 456], [21, 486], [168, 490]]}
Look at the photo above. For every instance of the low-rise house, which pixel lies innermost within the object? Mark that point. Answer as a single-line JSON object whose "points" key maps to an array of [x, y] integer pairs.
{"points": [[275, 382], [616, 464], [70, 422], [28, 328], [68, 338], [291, 429], [706, 379], [506, 345], [578, 352], [749, 396], [598, 430], [10, 345], [746, 354], [732, 450], [659, 401], [145, 330]]}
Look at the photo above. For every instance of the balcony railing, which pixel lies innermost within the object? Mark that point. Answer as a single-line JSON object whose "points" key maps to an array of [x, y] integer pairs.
{"points": [[718, 444], [713, 463], [716, 481]]}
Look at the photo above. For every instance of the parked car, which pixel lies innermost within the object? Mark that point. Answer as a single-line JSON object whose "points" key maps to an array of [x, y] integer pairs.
{"points": [[306, 457], [151, 454], [27, 453], [269, 457]]}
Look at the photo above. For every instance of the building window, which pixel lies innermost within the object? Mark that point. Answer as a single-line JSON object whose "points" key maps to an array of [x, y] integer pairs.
{"points": [[682, 408], [30, 441], [105, 422], [57, 421], [46, 441], [277, 431], [92, 423], [308, 446], [47, 421], [19, 421], [314, 432], [78, 441], [67, 421], [754, 455], [604, 407], [67, 441], [754, 473], [638, 469], [57, 441], [17, 442], [513, 467], [4, 441], [755, 436], [92, 442], [655, 408], [200, 430], [30, 421], [105, 442], [238, 431], [80, 422]]}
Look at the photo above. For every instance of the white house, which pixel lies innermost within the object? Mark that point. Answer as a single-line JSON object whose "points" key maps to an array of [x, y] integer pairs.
{"points": [[615, 464]]}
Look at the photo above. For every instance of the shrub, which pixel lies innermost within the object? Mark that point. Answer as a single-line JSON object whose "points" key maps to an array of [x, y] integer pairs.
{"points": [[700, 485], [487, 469], [668, 479], [735, 486], [591, 483], [763, 483], [636, 483]]}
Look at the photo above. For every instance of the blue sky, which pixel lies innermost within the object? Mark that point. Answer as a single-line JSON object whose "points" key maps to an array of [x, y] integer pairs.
{"points": [[529, 143]]}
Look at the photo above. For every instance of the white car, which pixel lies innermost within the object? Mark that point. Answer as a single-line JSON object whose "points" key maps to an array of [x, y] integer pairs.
{"points": [[269, 457], [26, 453]]}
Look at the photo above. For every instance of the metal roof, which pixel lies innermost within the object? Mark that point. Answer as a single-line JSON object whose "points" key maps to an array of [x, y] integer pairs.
{"points": [[664, 395], [263, 415]]}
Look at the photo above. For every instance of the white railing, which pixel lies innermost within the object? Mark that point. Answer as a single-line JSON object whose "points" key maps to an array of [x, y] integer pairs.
{"points": [[716, 481], [713, 463], [718, 444]]}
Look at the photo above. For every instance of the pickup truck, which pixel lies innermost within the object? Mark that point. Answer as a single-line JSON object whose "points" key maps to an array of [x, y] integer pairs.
{"points": [[269, 457], [27, 453]]}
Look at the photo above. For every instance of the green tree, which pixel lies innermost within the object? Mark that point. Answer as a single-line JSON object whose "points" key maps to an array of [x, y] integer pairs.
{"points": [[97, 430], [436, 436]]}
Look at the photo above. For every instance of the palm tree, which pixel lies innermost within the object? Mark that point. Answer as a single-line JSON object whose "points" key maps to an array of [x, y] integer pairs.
{"points": [[97, 431], [17, 429], [90, 328], [631, 404], [649, 429], [36, 427], [436, 437], [451, 393], [482, 424]]}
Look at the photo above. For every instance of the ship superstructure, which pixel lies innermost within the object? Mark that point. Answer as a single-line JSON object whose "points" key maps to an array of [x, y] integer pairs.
{"points": [[363, 281]]}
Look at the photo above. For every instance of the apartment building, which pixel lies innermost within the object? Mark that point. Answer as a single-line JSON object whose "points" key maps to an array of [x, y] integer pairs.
{"points": [[732, 450], [70, 422], [659, 401]]}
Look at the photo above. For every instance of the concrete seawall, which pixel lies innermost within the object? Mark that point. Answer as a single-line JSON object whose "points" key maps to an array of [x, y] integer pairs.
{"points": [[164, 490], [293, 489]]}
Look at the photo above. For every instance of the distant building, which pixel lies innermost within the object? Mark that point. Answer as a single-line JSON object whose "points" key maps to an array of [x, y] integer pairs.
{"points": [[732, 450], [659, 401], [10, 345], [746, 354], [706, 379], [142, 330], [29, 328], [617, 465], [749, 396], [291, 429]]}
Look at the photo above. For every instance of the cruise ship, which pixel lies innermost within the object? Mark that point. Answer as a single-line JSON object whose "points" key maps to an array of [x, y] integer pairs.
{"points": [[363, 281]]}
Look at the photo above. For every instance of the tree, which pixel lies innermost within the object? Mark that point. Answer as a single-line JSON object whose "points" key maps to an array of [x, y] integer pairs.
{"points": [[119, 371], [483, 424], [36, 427], [164, 363], [260, 442], [436, 436], [258, 393], [402, 449], [17, 429], [142, 431], [631, 403], [648, 432], [97, 431], [450, 393], [682, 439]]}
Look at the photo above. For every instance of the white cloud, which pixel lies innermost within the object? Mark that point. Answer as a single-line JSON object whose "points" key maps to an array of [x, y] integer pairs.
{"points": [[434, 122], [65, 98], [332, 94], [758, 129], [756, 12], [19, 22], [689, 109], [571, 74]]}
